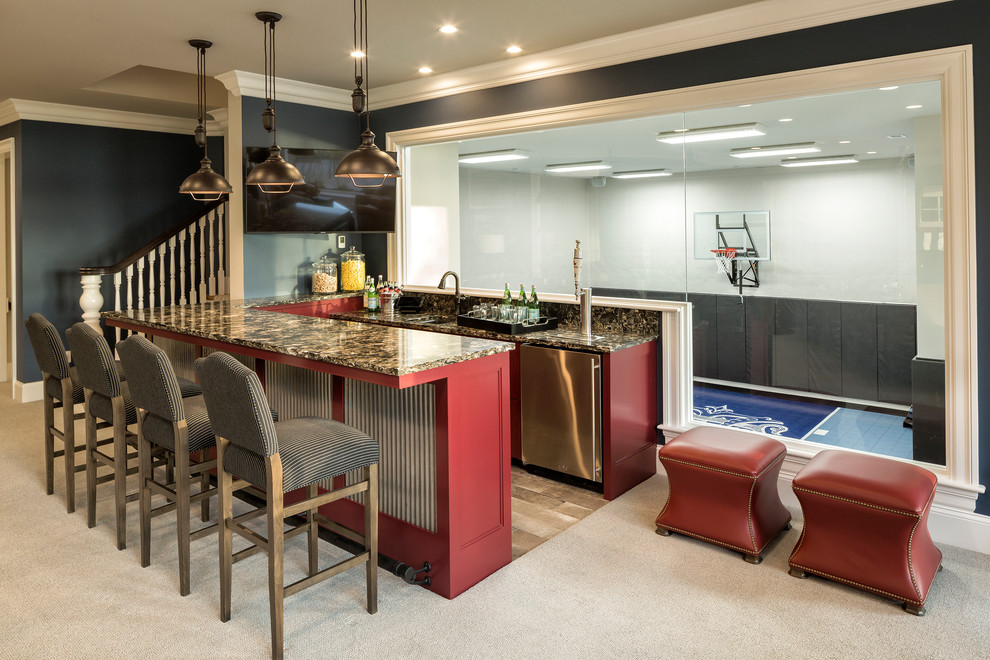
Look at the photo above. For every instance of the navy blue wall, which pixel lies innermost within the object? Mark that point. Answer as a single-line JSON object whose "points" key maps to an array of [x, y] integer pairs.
{"points": [[279, 264], [926, 28], [89, 196]]}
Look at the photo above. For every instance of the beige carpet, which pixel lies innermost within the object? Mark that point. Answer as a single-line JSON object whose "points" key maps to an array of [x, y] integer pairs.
{"points": [[606, 587]]}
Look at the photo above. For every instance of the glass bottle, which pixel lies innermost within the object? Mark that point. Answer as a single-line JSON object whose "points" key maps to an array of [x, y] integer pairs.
{"points": [[367, 289], [506, 303], [374, 300], [534, 305]]}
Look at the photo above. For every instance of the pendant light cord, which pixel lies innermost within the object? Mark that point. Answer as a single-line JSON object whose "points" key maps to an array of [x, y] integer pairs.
{"points": [[201, 92], [270, 74], [362, 65]]}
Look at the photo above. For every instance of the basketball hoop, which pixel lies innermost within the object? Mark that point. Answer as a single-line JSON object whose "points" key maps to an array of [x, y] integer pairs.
{"points": [[723, 259]]}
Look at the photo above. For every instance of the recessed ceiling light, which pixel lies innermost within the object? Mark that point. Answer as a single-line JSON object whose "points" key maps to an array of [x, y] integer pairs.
{"points": [[897, 136], [871, 153], [912, 107], [844, 141], [578, 167], [425, 69], [357, 54], [776, 150], [641, 174], [448, 29], [513, 50], [888, 89], [493, 156], [685, 135], [746, 105], [822, 160], [785, 119]]}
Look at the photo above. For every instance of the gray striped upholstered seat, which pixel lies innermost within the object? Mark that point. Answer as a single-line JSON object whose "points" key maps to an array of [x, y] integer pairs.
{"points": [[61, 390], [279, 457], [108, 398]]}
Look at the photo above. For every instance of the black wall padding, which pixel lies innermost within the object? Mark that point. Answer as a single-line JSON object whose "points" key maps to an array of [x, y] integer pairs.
{"points": [[825, 346], [790, 344], [759, 340], [896, 341], [705, 335], [730, 317], [859, 351]]}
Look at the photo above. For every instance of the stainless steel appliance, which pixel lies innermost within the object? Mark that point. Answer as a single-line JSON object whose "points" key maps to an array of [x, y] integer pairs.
{"points": [[561, 401]]}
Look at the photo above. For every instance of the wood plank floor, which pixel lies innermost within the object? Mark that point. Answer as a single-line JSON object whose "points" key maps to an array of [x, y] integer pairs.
{"points": [[542, 508]]}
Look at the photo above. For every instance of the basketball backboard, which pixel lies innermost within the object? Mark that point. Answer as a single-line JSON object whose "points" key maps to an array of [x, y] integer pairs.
{"points": [[746, 231]]}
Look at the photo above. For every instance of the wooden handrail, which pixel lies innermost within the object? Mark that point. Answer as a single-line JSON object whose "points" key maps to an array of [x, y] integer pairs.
{"points": [[152, 244]]}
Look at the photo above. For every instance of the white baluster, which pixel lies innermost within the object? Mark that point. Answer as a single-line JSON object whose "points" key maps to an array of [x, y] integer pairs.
{"points": [[151, 278], [202, 259], [221, 232], [182, 267], [118, 278], [91, 299], [161, 273], [171, 270], [192, 264], [130, 289], [213, 278], [140, 285]]}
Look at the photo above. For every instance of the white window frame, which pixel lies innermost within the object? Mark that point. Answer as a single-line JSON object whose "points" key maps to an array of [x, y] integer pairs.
{"points": [[952, 67]]}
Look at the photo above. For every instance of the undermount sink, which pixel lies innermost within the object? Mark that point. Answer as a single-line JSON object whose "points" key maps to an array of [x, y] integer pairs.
{"points": [[424, 319]]}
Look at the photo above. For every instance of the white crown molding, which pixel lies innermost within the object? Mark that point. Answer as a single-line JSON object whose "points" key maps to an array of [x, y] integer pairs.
{"points": [[747, 22], [245, 83], [18, 109]]}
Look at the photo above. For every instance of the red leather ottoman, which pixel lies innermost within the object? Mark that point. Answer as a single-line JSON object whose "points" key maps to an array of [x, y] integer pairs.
{"points": [[866, 525], [723, 489]]}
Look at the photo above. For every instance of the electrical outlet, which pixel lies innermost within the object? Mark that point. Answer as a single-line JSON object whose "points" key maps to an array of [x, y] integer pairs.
{"points": [[341, 241]]}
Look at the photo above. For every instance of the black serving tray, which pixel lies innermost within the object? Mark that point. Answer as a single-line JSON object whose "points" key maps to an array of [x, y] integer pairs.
{"points": [[545, 323]]}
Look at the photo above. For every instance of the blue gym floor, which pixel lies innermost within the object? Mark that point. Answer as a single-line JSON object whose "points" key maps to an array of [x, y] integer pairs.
{"points": [[875, 432]]}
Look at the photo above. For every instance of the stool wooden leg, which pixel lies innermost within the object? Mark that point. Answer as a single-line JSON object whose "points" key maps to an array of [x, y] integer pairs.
{"points": [[182, 506], [49, 439], [224, 513], [276, 541], [69, 444], [90, 462], [313, 534], [145, 473], [120, 469], [371, 536], [204, 485]]}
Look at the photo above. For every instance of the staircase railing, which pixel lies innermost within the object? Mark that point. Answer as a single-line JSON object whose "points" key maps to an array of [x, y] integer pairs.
{"points": [[191, 276]]}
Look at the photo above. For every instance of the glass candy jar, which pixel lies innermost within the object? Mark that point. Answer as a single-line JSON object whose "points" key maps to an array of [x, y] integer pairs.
{"points": [[325, 276], [352, 270]]}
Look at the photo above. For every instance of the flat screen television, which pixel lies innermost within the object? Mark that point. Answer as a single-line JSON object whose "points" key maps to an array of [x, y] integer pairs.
{"points": [[323, 204]]}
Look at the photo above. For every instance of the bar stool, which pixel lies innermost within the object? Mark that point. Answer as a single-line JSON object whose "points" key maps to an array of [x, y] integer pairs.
{"points": [[107, 398], [60, 389], [180, 425], [280, 457]]}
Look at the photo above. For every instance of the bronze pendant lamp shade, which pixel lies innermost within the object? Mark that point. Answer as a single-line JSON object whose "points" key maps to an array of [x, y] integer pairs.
{"points": [[274, 175], [367, 166], [204, 185]]}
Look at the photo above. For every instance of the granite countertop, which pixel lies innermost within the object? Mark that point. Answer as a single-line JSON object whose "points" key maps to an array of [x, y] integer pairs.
{"points": [[391, 351], [565, 338]]}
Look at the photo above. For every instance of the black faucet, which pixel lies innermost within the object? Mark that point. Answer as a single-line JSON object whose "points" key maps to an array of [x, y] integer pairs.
{"points": [[457, 290]]}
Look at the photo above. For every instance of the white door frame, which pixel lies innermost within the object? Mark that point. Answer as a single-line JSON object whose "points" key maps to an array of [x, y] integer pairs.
{"points": [[9, 327]]}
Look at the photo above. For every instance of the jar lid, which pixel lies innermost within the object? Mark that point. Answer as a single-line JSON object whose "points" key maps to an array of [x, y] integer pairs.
{"points": [[352, 254], [326, 260]]}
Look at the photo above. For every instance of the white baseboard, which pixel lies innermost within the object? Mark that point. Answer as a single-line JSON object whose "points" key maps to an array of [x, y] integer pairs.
{"points": [[27, 392]]}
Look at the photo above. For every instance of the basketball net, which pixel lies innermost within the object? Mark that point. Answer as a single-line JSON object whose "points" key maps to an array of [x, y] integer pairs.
{"points": [[723, 259]]}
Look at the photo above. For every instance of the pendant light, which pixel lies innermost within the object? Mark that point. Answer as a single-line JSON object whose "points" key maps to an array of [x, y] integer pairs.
{"points": [[204, 185], [274, 175], [367, 166]]}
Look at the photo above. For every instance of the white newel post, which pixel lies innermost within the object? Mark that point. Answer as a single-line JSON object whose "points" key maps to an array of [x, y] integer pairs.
{"points": [[91, 299]]}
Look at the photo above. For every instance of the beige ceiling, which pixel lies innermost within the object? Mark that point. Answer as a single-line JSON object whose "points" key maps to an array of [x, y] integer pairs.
{"points": [[130, 54]]}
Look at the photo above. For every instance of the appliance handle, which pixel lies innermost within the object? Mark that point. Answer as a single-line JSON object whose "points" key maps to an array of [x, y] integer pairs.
{"points": [[596, 426]]}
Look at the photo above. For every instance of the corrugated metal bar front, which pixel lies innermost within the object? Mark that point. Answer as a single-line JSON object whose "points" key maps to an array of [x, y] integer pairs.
{"points": [[181, 354], [404, 424], [298, 392]]}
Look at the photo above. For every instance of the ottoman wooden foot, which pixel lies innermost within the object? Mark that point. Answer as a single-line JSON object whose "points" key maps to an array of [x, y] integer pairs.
{"points": [[912, 608], [663, 532], [752, 559], [797, 572]]}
